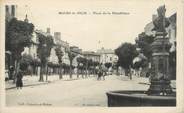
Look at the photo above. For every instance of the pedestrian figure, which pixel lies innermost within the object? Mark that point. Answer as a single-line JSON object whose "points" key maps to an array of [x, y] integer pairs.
{"points": [[11, 73], [6, 75], [130, 73], [104, 70], [100, 73], [104, 74], [19, 83]]}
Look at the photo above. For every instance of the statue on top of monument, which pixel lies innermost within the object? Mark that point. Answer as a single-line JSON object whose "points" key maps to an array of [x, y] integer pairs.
{"points": [[161, 22]]}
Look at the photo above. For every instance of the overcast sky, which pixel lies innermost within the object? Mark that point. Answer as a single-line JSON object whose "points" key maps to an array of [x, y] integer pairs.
{"points": [[91, 32]]}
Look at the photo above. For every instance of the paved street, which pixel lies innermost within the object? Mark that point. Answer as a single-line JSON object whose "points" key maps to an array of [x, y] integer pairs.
{"points": [[82, 92]]}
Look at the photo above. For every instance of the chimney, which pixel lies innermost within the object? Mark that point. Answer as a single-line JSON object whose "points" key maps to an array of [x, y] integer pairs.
{"points": [[57, 35], [48, 30], [26, 19]]}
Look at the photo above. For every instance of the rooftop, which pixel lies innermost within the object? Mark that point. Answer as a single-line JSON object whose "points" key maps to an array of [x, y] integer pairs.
{"points": [[89, 53], [105, 51]]}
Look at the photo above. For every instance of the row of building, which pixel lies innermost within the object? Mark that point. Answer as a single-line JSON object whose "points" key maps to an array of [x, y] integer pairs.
{"points": [[102, 55]]}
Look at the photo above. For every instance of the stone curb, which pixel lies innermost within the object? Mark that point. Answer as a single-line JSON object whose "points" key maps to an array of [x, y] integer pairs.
{"points": [[41, 83], [28, 85]]}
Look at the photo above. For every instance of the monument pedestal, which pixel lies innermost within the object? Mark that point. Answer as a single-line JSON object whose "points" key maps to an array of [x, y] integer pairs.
{"points": [[160, 83], [160, 87]]}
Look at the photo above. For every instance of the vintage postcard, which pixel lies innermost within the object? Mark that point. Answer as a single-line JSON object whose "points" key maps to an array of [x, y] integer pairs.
{"points": [[92, 56]]}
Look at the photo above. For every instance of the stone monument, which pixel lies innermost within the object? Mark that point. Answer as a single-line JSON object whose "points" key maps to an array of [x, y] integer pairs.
{"points": [[160, 92], [160, 83]]}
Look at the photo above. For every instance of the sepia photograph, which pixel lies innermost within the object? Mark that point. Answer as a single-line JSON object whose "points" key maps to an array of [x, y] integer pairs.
{"points": [[91, 54]]}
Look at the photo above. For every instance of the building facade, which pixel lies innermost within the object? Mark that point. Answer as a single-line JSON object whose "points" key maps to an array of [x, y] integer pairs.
{"points": [[64, 47], [148, 28], [107, 56], [32, 49], [171, 30], [78, 52], [90, 55]]}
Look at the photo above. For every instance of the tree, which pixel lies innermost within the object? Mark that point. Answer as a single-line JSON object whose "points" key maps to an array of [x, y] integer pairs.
{"points": [[59, 54], [44, 48], [25, 61], [18, 36], [84, 62], [144, 43], [126, 53], [79, 65], [90, 65], [79, 60], [140, 61], [71, 56], [96, 63], [108, 65], [115, 67], [36, 62]]}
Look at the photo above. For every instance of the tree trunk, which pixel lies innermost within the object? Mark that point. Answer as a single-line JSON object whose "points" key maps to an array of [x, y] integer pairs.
{"points": [[130, 74], [17, 66], [36, 70], [82, 72], [41, 73], [117, 73], [126, 72], [60, 72], [63, 70], [78, 72], [46, 72], [70, 69], [86, 72]]}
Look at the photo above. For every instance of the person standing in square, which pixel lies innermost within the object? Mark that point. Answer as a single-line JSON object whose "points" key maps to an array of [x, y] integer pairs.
{"points": [[19, 83]]}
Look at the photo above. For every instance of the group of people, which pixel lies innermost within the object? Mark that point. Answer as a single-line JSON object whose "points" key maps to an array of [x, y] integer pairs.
{"points": [[101, 73], [16, 76]]}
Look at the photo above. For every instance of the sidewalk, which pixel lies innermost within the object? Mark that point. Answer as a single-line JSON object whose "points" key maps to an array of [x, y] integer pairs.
{"points": [[33, 80]]}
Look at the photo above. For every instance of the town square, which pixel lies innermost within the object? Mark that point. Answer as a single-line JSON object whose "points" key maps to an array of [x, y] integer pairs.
{"points": [[108, 56]]}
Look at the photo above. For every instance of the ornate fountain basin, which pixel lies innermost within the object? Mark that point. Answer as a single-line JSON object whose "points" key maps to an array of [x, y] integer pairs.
{"points": [[139, 98]]}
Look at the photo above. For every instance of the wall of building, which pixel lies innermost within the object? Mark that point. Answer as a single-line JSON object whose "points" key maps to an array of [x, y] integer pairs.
{"points": [[32, 50], [53, 57], [171, 30], [148, 28], [91, 55], [64, 47], [107, 55], [75, 63]]}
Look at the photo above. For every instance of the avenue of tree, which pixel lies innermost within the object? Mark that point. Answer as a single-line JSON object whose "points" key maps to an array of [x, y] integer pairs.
{"points": [[19, 35]]}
